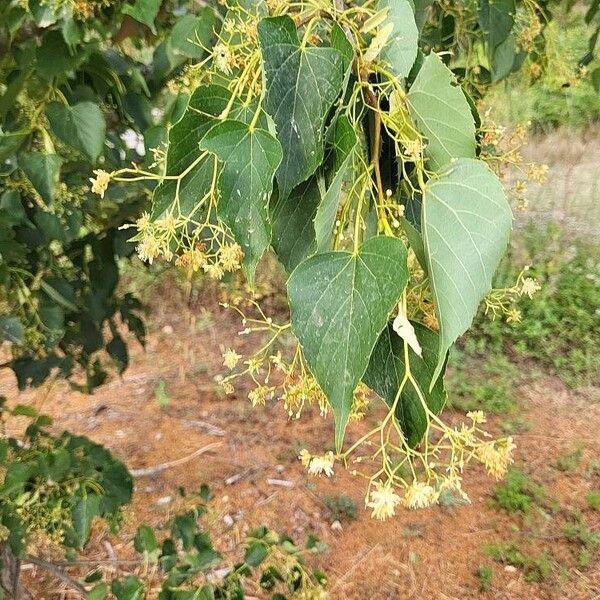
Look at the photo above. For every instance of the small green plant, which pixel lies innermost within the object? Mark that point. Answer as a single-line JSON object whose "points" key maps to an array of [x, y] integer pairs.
{"points": [[570, 460], [480, 382], [485, 575], [54, 487], [536, 568], [161, 395], [518, 493], [340, 507], [589, 541], [516, 424], [593, 499]]}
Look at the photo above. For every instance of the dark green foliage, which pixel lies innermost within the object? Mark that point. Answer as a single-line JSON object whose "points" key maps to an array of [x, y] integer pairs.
{"points": [[71, 100], [57, 484]]}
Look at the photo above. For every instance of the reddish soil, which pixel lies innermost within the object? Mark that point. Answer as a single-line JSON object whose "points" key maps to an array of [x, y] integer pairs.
{"points": [[420, 554]]}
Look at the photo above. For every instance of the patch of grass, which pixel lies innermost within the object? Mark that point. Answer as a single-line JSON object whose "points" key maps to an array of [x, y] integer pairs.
{"points": [[589, 542], [514, 425], [560, 328], [570, 460], [161, 395], [536, 568], [557, 97], [593, 499], [485, 576], [340, 507], [483, 383], [518, 493]]}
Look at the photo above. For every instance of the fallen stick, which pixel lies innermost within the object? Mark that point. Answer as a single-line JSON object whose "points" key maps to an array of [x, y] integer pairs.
{"points": [[156, 469]]}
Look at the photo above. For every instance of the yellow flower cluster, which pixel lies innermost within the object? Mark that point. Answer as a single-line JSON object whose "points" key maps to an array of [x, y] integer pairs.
{"points": [[319, 464], [100, 182]]}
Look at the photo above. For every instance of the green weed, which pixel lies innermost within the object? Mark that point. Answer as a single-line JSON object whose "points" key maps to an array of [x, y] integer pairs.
{"points": [[570, 460], [518, 493], [485, 576], [559, 330], [536, 568], [593, 499], [340, 507]]}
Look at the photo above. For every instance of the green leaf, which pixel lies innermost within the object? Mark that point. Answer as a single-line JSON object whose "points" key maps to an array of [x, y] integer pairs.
{"points": [[145, 540], [250, 158], [401, 50], [496, 19], [386, 372], [80, 126], [307, 217], [302, 83], [205, 105], [340, 303], [100, 592], [11, 329], [192, 34], [144, 11], [292, 218], [255, 553], [54, 58], [466, 223], [84, 512], [128, 588], [441, 113], [117, 349], [43, 170], [343, 140]]}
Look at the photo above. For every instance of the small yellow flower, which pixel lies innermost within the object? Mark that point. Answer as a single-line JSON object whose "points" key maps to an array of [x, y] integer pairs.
{"points": [[419, 495], [148, 249], [100, 182], [513, 316], [213, 270], [305, 457], [322, 464], [230, 358], [529, 286], [258, 396], [383, 500], [477, 416], [227, 387], [223, 58], [230, 257]]}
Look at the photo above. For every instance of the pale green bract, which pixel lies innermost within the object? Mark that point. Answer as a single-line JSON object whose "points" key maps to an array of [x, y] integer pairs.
{"points": [[340, 303], [466, 223]]}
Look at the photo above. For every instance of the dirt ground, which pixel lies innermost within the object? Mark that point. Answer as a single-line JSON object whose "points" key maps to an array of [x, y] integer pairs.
{"points": [[419, 554]]}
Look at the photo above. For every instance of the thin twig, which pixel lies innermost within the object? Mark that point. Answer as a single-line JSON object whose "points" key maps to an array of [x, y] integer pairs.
{"points": [[150, 471], [58, 573]]}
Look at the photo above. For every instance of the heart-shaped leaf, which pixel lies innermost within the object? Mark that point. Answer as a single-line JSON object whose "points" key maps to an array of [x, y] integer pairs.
{"points": [[302, 83], [340, 303], [466, 224], [43, 170], [441, 113], [81, 126], [250, 158], [386, 372]]}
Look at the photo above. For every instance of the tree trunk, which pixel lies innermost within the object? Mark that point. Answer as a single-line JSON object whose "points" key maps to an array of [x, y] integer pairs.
{"points": [[10, 570]]}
